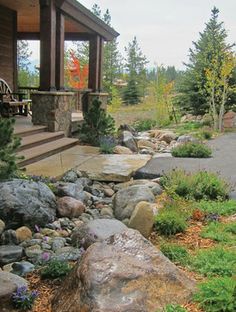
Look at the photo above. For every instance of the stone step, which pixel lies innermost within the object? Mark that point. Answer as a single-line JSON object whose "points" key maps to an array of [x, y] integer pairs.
{"points": [[39, 139], [23, 131], [37, 153]]}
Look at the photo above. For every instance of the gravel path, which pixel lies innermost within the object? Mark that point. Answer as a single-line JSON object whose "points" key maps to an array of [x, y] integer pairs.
{"points": [[222, 162]]}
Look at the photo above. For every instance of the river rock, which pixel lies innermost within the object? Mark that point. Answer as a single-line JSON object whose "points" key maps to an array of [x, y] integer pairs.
{"points": [[74, 190], [2, 226], [22, 268], [23, 233], [25, 202], [9, 237], [126, 199], [96, 230], [70, 207], [10, 254], [119, 149], [129, 141], [124, 273], [145, 143], [142, 218]]}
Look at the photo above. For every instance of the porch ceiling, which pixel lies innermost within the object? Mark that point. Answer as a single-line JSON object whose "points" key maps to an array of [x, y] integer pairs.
{"points": [[78, 18]]}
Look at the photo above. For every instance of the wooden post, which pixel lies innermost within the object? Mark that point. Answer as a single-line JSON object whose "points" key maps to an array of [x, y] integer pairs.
{"points": [[101, 59], [60, 38], [47, 45], [95, 63]]}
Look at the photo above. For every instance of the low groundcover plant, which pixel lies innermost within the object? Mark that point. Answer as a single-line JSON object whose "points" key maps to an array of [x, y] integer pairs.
{"points": [[23, 298]]}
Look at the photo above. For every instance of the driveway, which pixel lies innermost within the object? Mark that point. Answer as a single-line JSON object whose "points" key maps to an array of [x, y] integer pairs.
{"points": [[223, 161]]}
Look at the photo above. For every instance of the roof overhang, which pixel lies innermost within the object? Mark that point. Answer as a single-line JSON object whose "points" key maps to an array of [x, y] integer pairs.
{"points": [[79, 21]]}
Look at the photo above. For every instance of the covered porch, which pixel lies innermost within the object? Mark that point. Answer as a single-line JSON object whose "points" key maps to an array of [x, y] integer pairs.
{"points": [[52, 22]]}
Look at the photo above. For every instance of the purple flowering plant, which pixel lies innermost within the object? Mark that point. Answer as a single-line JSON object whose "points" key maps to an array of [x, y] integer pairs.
{"points": [[23, 298]]}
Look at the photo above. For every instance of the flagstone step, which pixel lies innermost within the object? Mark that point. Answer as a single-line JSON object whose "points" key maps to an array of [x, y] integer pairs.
{"points": [[39, 152], [39, 139], [23, 131]]}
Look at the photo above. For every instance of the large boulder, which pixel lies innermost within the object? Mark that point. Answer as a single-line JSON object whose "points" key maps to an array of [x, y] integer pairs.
{"points": [[25, 202], [96, 230], [129, 141], [124, 273], [10, 254], [126, 199], [8, 284], [142, 218]]}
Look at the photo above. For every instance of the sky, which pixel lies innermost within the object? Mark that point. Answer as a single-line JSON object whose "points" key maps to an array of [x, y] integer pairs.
{"points": [[165, 29]]}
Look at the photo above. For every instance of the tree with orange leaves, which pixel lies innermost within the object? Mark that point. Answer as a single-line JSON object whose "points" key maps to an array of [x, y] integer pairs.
{"points": [[77, 75]]}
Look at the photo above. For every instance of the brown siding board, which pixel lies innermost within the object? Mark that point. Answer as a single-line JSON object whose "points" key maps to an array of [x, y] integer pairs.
{"points": [[7, 45]]}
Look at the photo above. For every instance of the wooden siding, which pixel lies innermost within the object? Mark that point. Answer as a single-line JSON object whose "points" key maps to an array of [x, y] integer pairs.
{"points": [[8, 46]]}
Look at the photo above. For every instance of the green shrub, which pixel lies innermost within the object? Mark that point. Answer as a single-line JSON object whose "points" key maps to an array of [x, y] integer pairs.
{"points": [[144, 125], [173, 308], [54, 269], [107, 144], [9, 144], [223, 208], [197, 186], [206, 134], [216, 261], [217, 295], [176, 253], [220, 232], [192, 150], [169, 222], [96, 123]]}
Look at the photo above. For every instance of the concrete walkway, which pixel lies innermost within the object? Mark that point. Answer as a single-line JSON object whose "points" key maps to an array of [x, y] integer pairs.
{"points": [[222, 162]]}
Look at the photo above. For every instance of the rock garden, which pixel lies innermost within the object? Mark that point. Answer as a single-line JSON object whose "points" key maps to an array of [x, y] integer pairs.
{"points": [[76, 244]]}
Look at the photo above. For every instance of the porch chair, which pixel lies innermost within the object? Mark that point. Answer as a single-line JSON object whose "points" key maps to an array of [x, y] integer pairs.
{"points": [[11, 105]]}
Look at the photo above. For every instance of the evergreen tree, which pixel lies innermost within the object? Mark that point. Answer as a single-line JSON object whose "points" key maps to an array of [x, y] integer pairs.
{"points": [[211, 46], [25, 77], [137, 79], [8, 146]]}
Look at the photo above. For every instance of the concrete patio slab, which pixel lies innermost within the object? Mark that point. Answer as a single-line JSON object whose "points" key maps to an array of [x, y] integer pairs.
{"points": [[116, 168]]}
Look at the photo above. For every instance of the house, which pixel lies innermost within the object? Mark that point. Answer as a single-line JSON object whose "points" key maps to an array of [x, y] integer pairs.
{"points": [[52, 22]]}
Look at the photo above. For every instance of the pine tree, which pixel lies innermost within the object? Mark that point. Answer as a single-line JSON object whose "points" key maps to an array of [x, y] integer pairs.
{"points": [[97, 123], [135, 66], [211, 46], [8, 146]]}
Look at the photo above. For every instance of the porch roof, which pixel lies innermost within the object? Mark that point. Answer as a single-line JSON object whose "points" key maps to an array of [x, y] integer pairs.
{"points": [[79, 21]]}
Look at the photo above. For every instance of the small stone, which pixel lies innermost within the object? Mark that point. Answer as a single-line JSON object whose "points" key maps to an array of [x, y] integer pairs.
{"points": [[78, 223], [118, 149], [33, 252], [70, 176], [46, 246], [23, 233], [129, 141], [38, 236], [109, 192], [2, 226], [58, 243], [68, 254], [10, 254], [49, 232], [146, 143], [142, 218], [9, 238], [7, 267], [107, 211], [22, 268], [64, 233], [70, 207]]}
